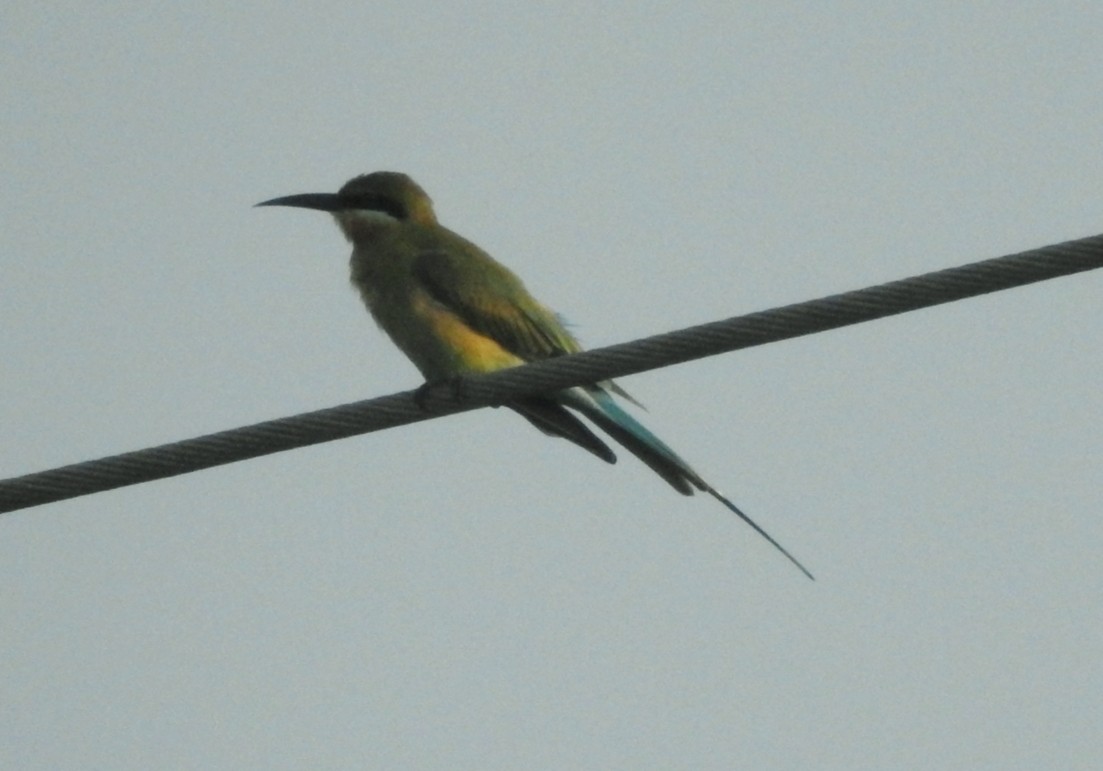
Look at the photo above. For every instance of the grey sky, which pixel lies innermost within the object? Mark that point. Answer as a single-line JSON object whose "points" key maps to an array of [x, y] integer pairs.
{"points": [[467, 593]]}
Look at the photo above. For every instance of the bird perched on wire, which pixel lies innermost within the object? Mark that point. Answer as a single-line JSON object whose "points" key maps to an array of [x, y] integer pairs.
{"points": [[454, 310]]}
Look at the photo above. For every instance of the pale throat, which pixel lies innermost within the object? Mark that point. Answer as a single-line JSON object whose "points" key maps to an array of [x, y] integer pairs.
{"points": [[361, 222]]}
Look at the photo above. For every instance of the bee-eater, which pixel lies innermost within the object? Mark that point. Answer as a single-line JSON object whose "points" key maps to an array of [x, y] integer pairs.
{"points": [[454, 310]]}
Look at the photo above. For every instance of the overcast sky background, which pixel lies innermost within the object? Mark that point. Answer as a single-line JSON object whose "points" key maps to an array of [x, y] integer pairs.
{"points": [[467, 593]]}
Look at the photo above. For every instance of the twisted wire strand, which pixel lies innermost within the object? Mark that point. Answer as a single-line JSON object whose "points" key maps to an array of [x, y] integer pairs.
{"points": [[550, 375]]}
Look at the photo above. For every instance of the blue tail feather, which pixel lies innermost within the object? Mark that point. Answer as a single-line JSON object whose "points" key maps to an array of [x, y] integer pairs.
{"points": [[598, 405]]}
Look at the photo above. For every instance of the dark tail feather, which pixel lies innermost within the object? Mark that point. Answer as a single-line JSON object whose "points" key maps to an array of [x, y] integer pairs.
{"points": [[754, 526], [551, 418], [599, 407]]}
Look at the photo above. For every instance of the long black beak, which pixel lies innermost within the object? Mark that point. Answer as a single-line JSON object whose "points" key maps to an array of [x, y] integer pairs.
{"points": [[330, 202]]}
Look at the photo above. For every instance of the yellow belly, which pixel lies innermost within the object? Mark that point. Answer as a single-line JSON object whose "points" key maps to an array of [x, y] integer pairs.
{"points": [[437, 341]]}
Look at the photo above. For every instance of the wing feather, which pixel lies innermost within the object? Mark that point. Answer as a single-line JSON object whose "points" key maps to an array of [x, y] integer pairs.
{"points": [[491, 300]]}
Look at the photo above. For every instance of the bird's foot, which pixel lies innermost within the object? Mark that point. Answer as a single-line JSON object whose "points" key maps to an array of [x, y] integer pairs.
{"points": [[455, 385]]}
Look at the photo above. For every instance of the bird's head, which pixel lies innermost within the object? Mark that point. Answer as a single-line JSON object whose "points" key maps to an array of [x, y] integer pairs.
{"points": [[368, 203]]}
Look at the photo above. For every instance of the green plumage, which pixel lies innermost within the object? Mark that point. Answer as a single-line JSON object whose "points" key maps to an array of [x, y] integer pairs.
{"points": [[454, 310]]}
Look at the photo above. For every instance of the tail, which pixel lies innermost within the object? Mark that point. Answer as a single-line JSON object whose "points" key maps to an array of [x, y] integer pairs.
{"points": [[550, 417], [597, 405]]}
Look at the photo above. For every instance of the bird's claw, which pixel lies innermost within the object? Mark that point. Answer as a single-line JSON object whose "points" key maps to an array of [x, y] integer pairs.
{"points": [[455, 385]]}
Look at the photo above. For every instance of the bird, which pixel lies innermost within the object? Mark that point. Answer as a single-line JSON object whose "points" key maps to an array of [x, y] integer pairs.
{"points": [[455, 311]]}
